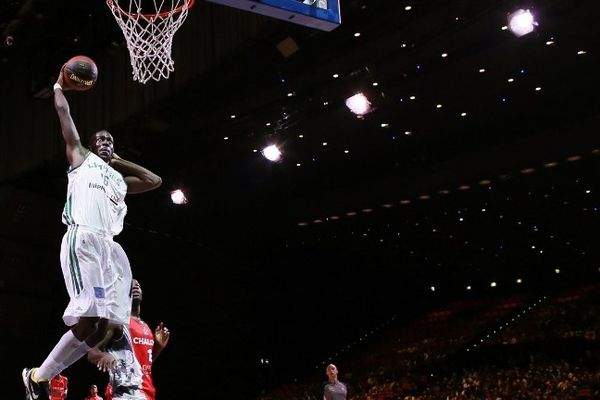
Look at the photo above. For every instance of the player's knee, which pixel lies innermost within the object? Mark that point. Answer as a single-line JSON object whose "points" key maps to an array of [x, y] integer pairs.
{"points": [[85, 327]]}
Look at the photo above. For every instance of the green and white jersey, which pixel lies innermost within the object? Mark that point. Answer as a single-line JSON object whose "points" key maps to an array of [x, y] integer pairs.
{"points": [[96, 197]]}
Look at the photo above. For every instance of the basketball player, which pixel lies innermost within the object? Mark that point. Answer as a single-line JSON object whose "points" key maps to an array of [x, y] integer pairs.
{"points": [[59, 387], [146, 344], [96, 270], [334, 389]]}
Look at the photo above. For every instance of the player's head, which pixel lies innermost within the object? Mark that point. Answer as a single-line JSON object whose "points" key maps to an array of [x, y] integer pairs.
{"points": [[136, 291], [332, 372], [102, 144], [93, 390]]}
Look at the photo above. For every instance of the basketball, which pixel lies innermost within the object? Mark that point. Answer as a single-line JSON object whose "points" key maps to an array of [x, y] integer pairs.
{"points": [[80, 73]]}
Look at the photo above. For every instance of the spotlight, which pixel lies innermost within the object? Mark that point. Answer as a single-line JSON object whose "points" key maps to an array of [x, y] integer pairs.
{"points": [[178, 197], [359, 104], [521, 22], [271, 153]]}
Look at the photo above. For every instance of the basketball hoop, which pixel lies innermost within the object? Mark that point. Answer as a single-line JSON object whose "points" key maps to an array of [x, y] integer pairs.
{"points": [[149, 27]]}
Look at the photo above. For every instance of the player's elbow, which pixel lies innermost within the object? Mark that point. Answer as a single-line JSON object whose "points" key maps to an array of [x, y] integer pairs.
{"points": [[153, 181], [156, 181]]}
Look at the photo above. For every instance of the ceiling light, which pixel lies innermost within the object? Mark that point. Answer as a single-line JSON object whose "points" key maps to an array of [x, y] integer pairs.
{"points": [[407, 133], [271, 153], [232, 116], [408, 8], [324, 143], [178, 197], [481, 70], [521, 22], [375, 84], [581, 52], [464, 114], [438, 106], [357, 34], [493, 284], [384, 125], [537, 89], [444, 55], [335, 75], [346, 151], [359, 104]]}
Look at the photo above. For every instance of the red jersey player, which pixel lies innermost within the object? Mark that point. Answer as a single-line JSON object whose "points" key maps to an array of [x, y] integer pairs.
{"points": [[58, 387], [147, 345], [93, 393]]}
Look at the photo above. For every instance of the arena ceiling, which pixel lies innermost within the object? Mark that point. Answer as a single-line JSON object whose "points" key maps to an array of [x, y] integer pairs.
{"points": [[478, 165]]}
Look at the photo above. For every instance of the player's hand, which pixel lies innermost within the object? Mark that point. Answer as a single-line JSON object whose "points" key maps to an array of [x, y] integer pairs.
{"points": [[106, 363], [161, 335], [61, 80]]}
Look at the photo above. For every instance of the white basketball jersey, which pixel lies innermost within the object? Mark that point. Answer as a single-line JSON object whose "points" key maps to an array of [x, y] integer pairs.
{"points": [[126, 377], [96, 197]]}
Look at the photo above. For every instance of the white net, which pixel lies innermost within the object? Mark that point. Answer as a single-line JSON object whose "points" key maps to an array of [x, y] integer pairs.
{"points": [[149, 27]]}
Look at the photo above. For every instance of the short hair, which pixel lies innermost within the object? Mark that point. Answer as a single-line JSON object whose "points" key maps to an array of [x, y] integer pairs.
{"points": [[91, 139]]}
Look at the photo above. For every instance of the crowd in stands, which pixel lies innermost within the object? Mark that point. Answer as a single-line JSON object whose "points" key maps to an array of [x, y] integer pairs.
{"points": [[513, 348]]}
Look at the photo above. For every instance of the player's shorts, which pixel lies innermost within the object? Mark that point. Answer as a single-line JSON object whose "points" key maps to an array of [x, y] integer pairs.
{"points": [[97, 276]]}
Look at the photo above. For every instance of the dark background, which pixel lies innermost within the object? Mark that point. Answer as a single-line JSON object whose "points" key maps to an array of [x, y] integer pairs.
{"points": [[293, 263]]}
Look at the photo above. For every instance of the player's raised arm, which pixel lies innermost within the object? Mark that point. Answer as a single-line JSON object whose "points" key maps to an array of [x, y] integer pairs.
{"points": [[75, 150], [138, 178]]}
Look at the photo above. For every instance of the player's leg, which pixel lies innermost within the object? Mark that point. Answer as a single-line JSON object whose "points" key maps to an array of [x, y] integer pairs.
{"points": [[81, 256], [118, 286]]}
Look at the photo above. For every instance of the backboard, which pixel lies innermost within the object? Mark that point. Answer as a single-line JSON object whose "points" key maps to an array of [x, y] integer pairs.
{"points": [[318, 14]]}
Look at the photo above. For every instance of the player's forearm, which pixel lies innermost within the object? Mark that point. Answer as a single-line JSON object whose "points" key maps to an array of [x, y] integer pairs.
{"points": [[156, 350], [143, 179], [67, 125], [95, 355]]}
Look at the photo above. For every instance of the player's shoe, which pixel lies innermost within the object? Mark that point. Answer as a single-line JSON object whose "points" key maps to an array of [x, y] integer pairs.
{"points": [[34, 390]]}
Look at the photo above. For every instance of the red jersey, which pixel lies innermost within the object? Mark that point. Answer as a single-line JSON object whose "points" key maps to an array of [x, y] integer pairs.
{"points": [[143, 343], [58, 387]]}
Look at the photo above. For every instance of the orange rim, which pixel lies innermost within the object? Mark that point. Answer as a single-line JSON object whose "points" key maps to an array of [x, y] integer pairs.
{"points": [[163, 14]]}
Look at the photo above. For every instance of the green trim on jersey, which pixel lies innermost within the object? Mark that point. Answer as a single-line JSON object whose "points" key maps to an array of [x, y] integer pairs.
{"points": [[68, 210], [74, 262]]}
